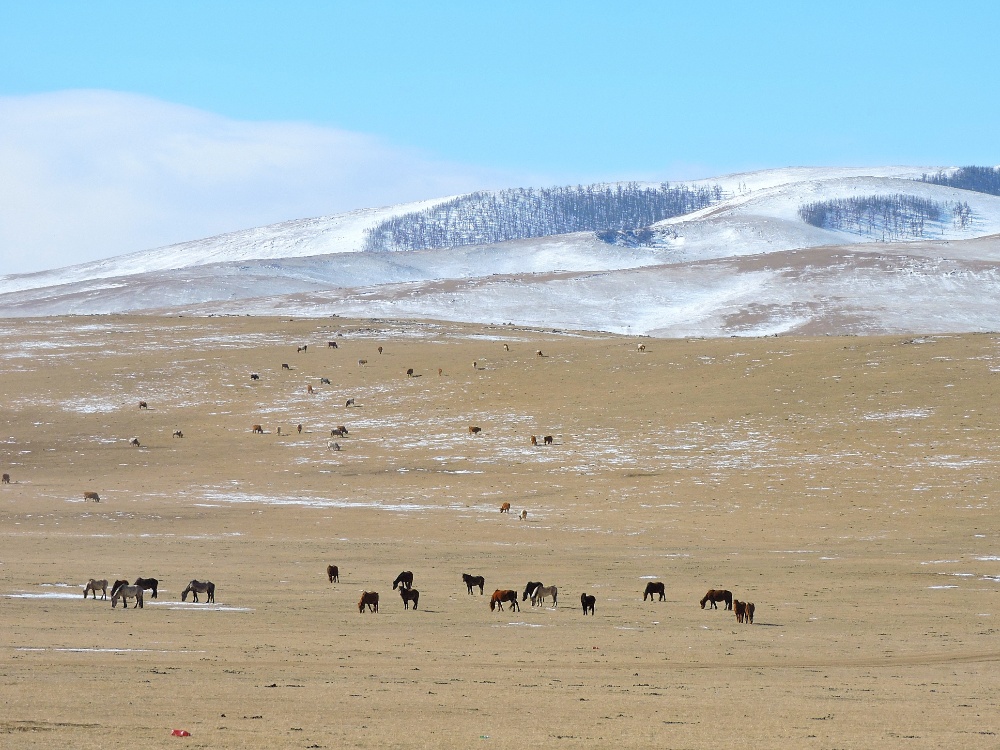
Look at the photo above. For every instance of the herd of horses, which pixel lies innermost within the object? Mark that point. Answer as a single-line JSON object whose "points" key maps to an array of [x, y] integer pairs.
{"points": [[124, 591], [538, 593]]}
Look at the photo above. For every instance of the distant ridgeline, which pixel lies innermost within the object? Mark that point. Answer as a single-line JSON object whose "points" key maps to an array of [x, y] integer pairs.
{"points": [[979, 179], [618, 213], [885, 217]]}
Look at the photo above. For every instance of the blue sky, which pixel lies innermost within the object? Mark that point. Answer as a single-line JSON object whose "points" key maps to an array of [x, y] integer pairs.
{"points": [[452, 96]]}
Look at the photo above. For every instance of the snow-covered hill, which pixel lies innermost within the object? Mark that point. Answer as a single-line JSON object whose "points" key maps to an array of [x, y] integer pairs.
{"points": [[745, 265]]}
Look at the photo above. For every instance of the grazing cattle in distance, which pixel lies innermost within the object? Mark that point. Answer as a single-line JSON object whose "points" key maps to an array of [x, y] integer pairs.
{"points": [[641, 348], [333, 573], [93, 496], [473, 581], [409, 372], [254, 376], [653, 589], [143, 405], [149, 584], [380, 350], [257, 429], [177, 433], [534, 440], [362, 362], [302, 348], [505, 507], [6, 478], [333, 446], [324, 381], [529, 590], [749, 615], [547, 440], [196, 587], [369, 598], [504, 595], [588, 601], [134, 442], [473, 430], [285, 366], [409, 595], [403, 580], [524, 515], [350, 402], [309, 389], [717, 595], [94, 585], [332, 345]]}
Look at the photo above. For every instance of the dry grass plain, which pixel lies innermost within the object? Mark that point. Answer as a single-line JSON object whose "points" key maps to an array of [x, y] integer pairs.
{"points": [[847, 486]]}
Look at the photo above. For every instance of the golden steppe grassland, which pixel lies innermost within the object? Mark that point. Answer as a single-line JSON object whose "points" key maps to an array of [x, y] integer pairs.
{"points": [[847, 486]]}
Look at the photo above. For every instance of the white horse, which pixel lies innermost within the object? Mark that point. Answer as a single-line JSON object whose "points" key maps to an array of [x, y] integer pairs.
{"points": [[539, 594]]}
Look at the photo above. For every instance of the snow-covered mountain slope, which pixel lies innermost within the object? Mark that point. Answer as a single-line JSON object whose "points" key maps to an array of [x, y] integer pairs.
{"points": [[746, 265]]}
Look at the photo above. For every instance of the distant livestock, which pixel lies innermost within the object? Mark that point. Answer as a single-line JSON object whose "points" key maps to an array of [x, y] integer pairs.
{"points": [[739, 609], [547, 440], [473, 581], [641, 348], [302, 348], [524, 515], [529, 590], [285, 366], [332, 345], [134, 442], [504, 595], [506, 348], [254, 376], [749, 616], [94, 585], [350, 402], [534, 440], [404, 580], [473, 430], [92, 496], [588, 601], [440, 372], [177, 433], [257, 429], [541, 592], [369, 598], [362, 362], [125, 593], [196, 587], [409, 595], [299, 428], [538, 353], [309, 389], [149, 584], [655, 589], [143, 405], [333, 445], [380, 350], [409, 372], [324, 381], [6, 478], [333, 573], [505, 507], [717, 595]]}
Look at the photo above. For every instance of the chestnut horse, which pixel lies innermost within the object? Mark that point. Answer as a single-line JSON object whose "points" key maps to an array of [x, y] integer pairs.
{"points": [[473, 581], [333, 573], [749, 615], [718, 595], [505, 507], [740, 609], [504, 595], [653, 589], [371, 599]]}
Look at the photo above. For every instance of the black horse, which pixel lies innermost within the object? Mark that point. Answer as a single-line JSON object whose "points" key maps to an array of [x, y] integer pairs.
{"points": [[473, 581], [409, 595], [149, 584], [588, 601], [404, 579], [655, 588], [530, 589]]}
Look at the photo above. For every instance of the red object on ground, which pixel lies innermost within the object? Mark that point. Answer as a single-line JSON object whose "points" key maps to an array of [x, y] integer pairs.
{"points": [[180, 733]]}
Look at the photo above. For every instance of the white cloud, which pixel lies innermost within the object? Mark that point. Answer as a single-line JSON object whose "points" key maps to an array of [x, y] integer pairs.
{"points": [[91, 174]]}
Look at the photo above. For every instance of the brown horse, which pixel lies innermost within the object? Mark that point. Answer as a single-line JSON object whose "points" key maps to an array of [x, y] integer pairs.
{"points": [[534, 440], [653, 589], [473, 430], [257, 429], [749, 615], [93, 496], [371, 599], [740, 609], [143, 405], [333, 573], [588, 601], [547, 440], [718, 595], [504, 595], [6, 478], [505, 508], [409, 595]]}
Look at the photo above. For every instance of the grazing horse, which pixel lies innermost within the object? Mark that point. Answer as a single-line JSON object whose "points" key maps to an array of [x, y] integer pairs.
{"points": [[134, 442], [324, 381], [641, 348], [409, 372], [332, 445], [473, 581], [339, 431], [409, 595], [538, 353], [749, 615], [655, 588], [362, 362], [473, 430], [125, 593], [505, 507], [143, 405], [371, 599], [524, 515], [309, 388], [94, 585], [529, 591], [588, 601], [177, 433], [332, 345], [257, 429], [547, 440], [303, 348], [148, 584], [6, 478], [504, 595], [534, 440], [200, 587], [333, 573], [285, 366], [404, 580], [350, 402], [254, 376], [717, 595], [538, 597], [92, 496]]}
